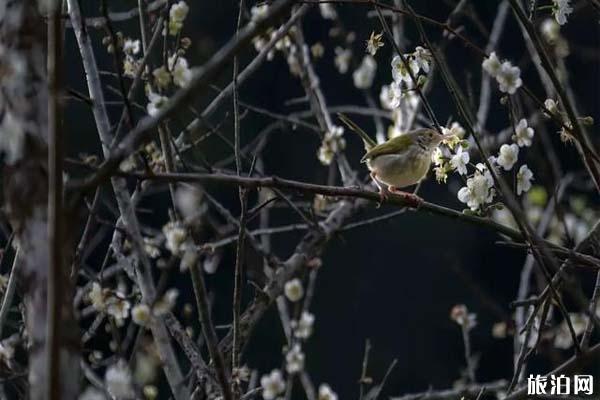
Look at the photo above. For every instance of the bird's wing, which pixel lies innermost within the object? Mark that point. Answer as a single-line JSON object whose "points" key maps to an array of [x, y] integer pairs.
{"points": [[396, 145], [369, 143]]}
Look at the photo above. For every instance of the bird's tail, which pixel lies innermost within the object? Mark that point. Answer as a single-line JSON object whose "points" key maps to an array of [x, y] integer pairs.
{"points": [[369, 143]]}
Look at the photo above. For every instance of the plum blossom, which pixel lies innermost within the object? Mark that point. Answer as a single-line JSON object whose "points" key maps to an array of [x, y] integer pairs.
{"points": [[508, 155], [509, 78], [118, 381], [492, 64], [98, 296], [460, 314], [326, 393], [507, 75], [327, 11], [422, 57], [333, 143], [141, 314], [551, 106], [176, 235], [363, 76], [162, 77], [524, 178], [272, 385], [342, 59], [177, 15], [550, 30], [523, 134], [479, 190], [118, 309], [304, 326], [293, 290], [131, 46], [399, 71], [374, 43], [156, 102], [437, 157], [560, 10], [390, 96], [460, 160], [178, 66], [294, 360]]}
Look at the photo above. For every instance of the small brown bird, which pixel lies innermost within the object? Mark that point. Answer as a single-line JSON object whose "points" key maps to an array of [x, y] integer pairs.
{"points": [[401, 161]]}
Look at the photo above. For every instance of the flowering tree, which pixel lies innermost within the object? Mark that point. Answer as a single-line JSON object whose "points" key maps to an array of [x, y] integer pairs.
{"points": [[90, 308]]}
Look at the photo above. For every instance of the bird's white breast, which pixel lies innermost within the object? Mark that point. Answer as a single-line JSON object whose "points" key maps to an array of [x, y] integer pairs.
{"points": [[400, 170]]}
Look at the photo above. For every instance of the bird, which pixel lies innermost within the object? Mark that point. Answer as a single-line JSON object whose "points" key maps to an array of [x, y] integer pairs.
{"points": [[401, 161]]}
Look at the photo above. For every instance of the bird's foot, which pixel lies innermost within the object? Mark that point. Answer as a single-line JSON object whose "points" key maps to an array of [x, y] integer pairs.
{"points": [[411, 199], [383, 196]]}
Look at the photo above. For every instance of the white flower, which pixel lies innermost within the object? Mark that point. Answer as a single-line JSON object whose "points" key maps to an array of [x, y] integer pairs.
{"points": [[342, 59], [508, 155], [365, 73], [303, 328], [272, 385], [177, 15], [294, 62], [118, 380], [166, 303], [294, 360], [118, 309], [156, 102], [550, 30], [141, 314], [131, 47], [187, 200], [327, 11], [437, 157], [460, 314], [492, 64], [98, 296], [374, 43], [293, 290], [175, 235], [477, 192], [390, 96], [130, 66], [325, 392], [523, 134], [460, 160], [189, 258], [524, 178], [509, 78], [333, 142], [400, 73], [551, 106], [259, 11], [178, 66], [151, 247], [453, 135], [561, 9], [162, 77], [423, 58]]}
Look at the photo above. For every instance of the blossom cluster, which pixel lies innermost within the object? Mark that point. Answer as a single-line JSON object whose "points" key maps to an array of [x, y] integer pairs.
{"points": [[273, 384], [507, 75], [176, 73]]}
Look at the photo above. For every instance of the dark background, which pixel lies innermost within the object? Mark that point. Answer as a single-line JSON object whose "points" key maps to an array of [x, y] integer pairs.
{"points": [[394, 282]]}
